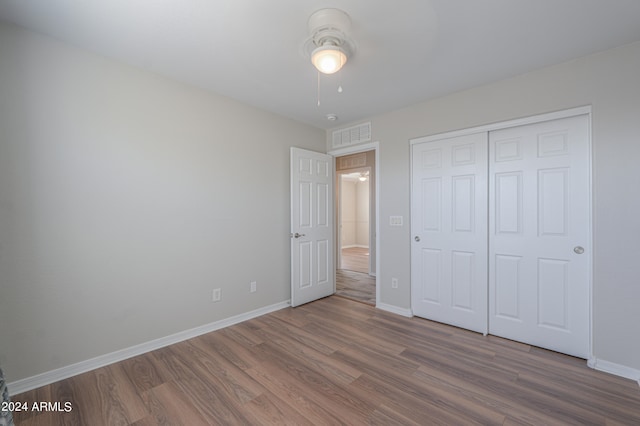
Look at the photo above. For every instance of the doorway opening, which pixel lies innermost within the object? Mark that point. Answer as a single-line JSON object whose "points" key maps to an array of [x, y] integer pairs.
{"points": [[355, 239]]}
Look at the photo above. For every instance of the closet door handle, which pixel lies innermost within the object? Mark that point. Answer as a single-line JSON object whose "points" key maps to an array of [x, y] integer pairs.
{"points": [[417, 238], [578, 249]]}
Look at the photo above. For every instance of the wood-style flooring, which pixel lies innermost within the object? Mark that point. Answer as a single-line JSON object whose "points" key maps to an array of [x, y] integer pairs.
{"points": [[355, 259], [353, 280], [336, 361], [356, 286]]}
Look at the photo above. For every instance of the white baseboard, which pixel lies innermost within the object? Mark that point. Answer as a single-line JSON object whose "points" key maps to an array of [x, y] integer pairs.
{"points": [[43, 379], [62, 373], [354, 246], [395, 310], [613, 368]]}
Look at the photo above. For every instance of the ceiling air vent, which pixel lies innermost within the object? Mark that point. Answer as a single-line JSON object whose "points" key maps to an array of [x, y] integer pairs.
{"points": [[352, 135]]}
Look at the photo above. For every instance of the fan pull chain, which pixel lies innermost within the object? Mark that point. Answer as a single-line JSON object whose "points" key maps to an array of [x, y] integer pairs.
{"points": [[318, 88], [340, 76]]}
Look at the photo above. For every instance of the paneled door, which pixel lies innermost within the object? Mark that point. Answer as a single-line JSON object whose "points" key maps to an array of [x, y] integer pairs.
{"points": [[449, 231], [539, 234], [312, 253]]}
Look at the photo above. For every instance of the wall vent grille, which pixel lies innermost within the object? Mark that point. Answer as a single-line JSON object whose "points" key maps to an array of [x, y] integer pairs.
{"points": [[352, 135]]}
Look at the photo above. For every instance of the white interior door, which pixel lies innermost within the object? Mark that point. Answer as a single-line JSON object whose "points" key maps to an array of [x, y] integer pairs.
{"points": [[539, 234], [449, 231], [312, 245]]}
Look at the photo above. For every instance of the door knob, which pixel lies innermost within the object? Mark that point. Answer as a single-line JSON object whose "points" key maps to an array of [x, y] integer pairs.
{"points": [[417, 238], [578, 250], [296, 235]]}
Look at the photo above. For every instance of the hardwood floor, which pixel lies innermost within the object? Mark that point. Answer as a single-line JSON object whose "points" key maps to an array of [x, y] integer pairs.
{"points": [[335, 361], [353, 280], [355, 259], [356, 286]]}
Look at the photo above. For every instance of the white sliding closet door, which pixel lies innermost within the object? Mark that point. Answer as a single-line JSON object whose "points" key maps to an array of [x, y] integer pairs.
{"points": [[539, 238], [449, 231]]}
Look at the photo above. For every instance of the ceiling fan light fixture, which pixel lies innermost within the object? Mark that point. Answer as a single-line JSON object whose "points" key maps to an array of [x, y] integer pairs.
{"points": [[329, 45], [328, 59]]}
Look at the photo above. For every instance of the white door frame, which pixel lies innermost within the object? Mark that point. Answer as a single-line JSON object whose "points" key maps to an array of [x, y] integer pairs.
{"points": [[371, 146], [583, 110]]}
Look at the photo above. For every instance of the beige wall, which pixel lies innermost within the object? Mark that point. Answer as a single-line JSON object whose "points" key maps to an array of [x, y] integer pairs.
{"points": [[354, 205], [610, 82], [362, 213], [348, 212], [125, 198]]}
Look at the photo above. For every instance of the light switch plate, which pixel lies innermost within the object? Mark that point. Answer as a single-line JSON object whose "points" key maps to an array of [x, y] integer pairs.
{"points": [[395, 220]]}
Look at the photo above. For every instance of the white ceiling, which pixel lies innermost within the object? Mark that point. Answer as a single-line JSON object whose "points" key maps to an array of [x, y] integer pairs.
{"points": [[407, 50]]}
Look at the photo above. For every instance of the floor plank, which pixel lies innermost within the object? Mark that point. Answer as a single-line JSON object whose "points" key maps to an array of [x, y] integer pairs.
{"points": [[355, 259], [353, 280], [337, 361], [356, 286]]}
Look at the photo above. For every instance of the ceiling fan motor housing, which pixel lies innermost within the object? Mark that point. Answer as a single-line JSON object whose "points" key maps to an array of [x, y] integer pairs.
{"points": [[330, 27]]}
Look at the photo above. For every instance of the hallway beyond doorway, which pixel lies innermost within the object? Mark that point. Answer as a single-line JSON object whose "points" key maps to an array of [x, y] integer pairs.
{"points": [[356, 259], [353, 280]]}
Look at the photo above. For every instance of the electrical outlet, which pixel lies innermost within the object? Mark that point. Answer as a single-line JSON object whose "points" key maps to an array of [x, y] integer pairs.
{"points": [[394, 283], [216, 295], [253, 286]]}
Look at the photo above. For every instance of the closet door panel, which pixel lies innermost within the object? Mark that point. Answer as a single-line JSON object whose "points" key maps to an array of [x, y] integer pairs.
{"points": [[449, 231], [539, 238]]}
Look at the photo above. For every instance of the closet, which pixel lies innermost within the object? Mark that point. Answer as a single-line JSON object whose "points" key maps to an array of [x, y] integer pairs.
{"points": [[500, 228]]}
